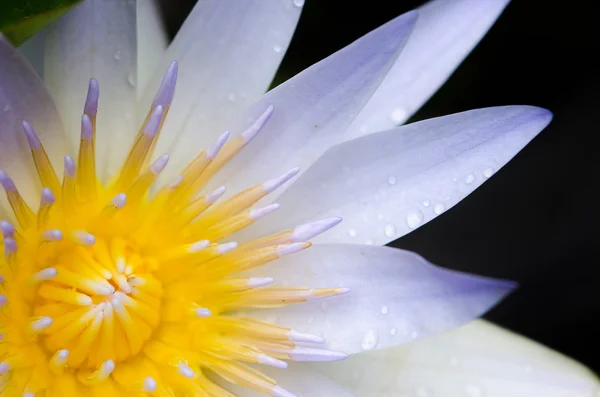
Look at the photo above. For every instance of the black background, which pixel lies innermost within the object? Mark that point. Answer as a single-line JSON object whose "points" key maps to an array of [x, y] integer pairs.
{"points": [[535, 221]]}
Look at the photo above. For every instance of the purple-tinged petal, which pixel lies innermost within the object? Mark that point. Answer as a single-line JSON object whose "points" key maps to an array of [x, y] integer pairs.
{"points": [[386, 184], [228, 52], [478, 359], [444, 35], [96, 39], [152, 41], [24, 97], [395, 296], [313, 109]]}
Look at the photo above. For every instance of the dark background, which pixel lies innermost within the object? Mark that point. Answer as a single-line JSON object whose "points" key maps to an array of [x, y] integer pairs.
{"points": [[535, 220]]}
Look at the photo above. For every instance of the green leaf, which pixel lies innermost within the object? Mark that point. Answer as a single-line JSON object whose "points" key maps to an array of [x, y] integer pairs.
{"points": [[21, 19]]}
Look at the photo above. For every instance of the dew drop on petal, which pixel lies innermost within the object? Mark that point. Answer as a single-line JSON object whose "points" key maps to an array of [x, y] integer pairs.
{"points": [[488, 172], [414, 334], [424, 392], [6, 108], [393, 331], [392, 180], [231, 97], [352, 233], [324, 306], [398, 115], [131, 78], [390, 230], [277, 48], [117, 55], [369, 242], [439, 208], [470, 179], [414, 219], [473, 391], [384, 309], [454, 362], [298, 3], [426, 203], [369, 340]]}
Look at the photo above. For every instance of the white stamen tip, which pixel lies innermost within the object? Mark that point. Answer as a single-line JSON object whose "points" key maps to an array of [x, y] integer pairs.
{"points": [[107, 367], [45, 274], [52, 235], [260, 212], [256, 282], [287, 249], [84, 238], [307, 231], [10, 246], [6, 182], [159, 165], [69, 166], [215, 195], [199, 246], [270, 361], [164, 95], [41, 324], [217, 145], [258, 125], [119, 200], [224, 248], [304, 354], [153, 124], [176, 182], [300, 337], [84, 300], [149, 384], [278, 391], [203, 312], [63, 354], [3, 300], [28, 394], [47, 196], [273, 184], [32, 139], [185, 370], [4, 368], [8, 230], [91, 101], [121, 265], [87, 131]]}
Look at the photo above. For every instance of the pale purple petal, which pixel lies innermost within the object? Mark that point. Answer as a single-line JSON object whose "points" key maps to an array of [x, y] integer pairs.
{"points": [[386, 184], [477, 360], [152, 41], [395, 296], [313, 109], [228, 53], [96, 39], [24, 97], [444, 35]]}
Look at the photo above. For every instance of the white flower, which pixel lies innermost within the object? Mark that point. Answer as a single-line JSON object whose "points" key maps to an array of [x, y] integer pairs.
{"points": [[108, 290]]}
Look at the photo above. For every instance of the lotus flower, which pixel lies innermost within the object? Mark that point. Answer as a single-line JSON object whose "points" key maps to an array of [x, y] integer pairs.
{"points": [[127, 276]]}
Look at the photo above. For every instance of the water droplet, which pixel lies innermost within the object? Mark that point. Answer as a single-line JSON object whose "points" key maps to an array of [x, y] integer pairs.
{"points": [[392, 180], [311, 319], [369, 242], [414, 334], [324, 306], [298, 3], [488, 172], [363, 129], [118, 55], [6, 108], [352, 233], [128, 116], [470, 179], [369, 340], [393, 331], [272, 319], [384, 309], [389, 230], [131, 78], [231, 97], [473, 391], [424, 392], [414, 219], [528, 368], [398, 115], [439, 208], [454, 362], [426, 203], [277, 48]]}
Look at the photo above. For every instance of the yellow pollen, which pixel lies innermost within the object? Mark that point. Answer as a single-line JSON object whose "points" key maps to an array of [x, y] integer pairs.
{"points": [[111, 289]]}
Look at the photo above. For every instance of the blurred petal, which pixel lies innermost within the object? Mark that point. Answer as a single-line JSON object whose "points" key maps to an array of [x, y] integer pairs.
{"points": [[314, 108], [228, 53], [96, 39], [445, 33], [479, 359], [33, 51], [395, 296], [384, 185], [152, 41], [24, 97]]}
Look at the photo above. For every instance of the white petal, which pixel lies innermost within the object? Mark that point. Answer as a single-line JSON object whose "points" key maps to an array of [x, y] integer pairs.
{"points": [[477, 360], [24, 97], [447, 30], [96, 39], [152, 41], [228, 53], [395, 296], [313, 109], [386, 184]]}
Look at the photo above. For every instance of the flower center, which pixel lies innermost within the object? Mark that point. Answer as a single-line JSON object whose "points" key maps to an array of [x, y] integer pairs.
{"points": [[111, 289]]}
